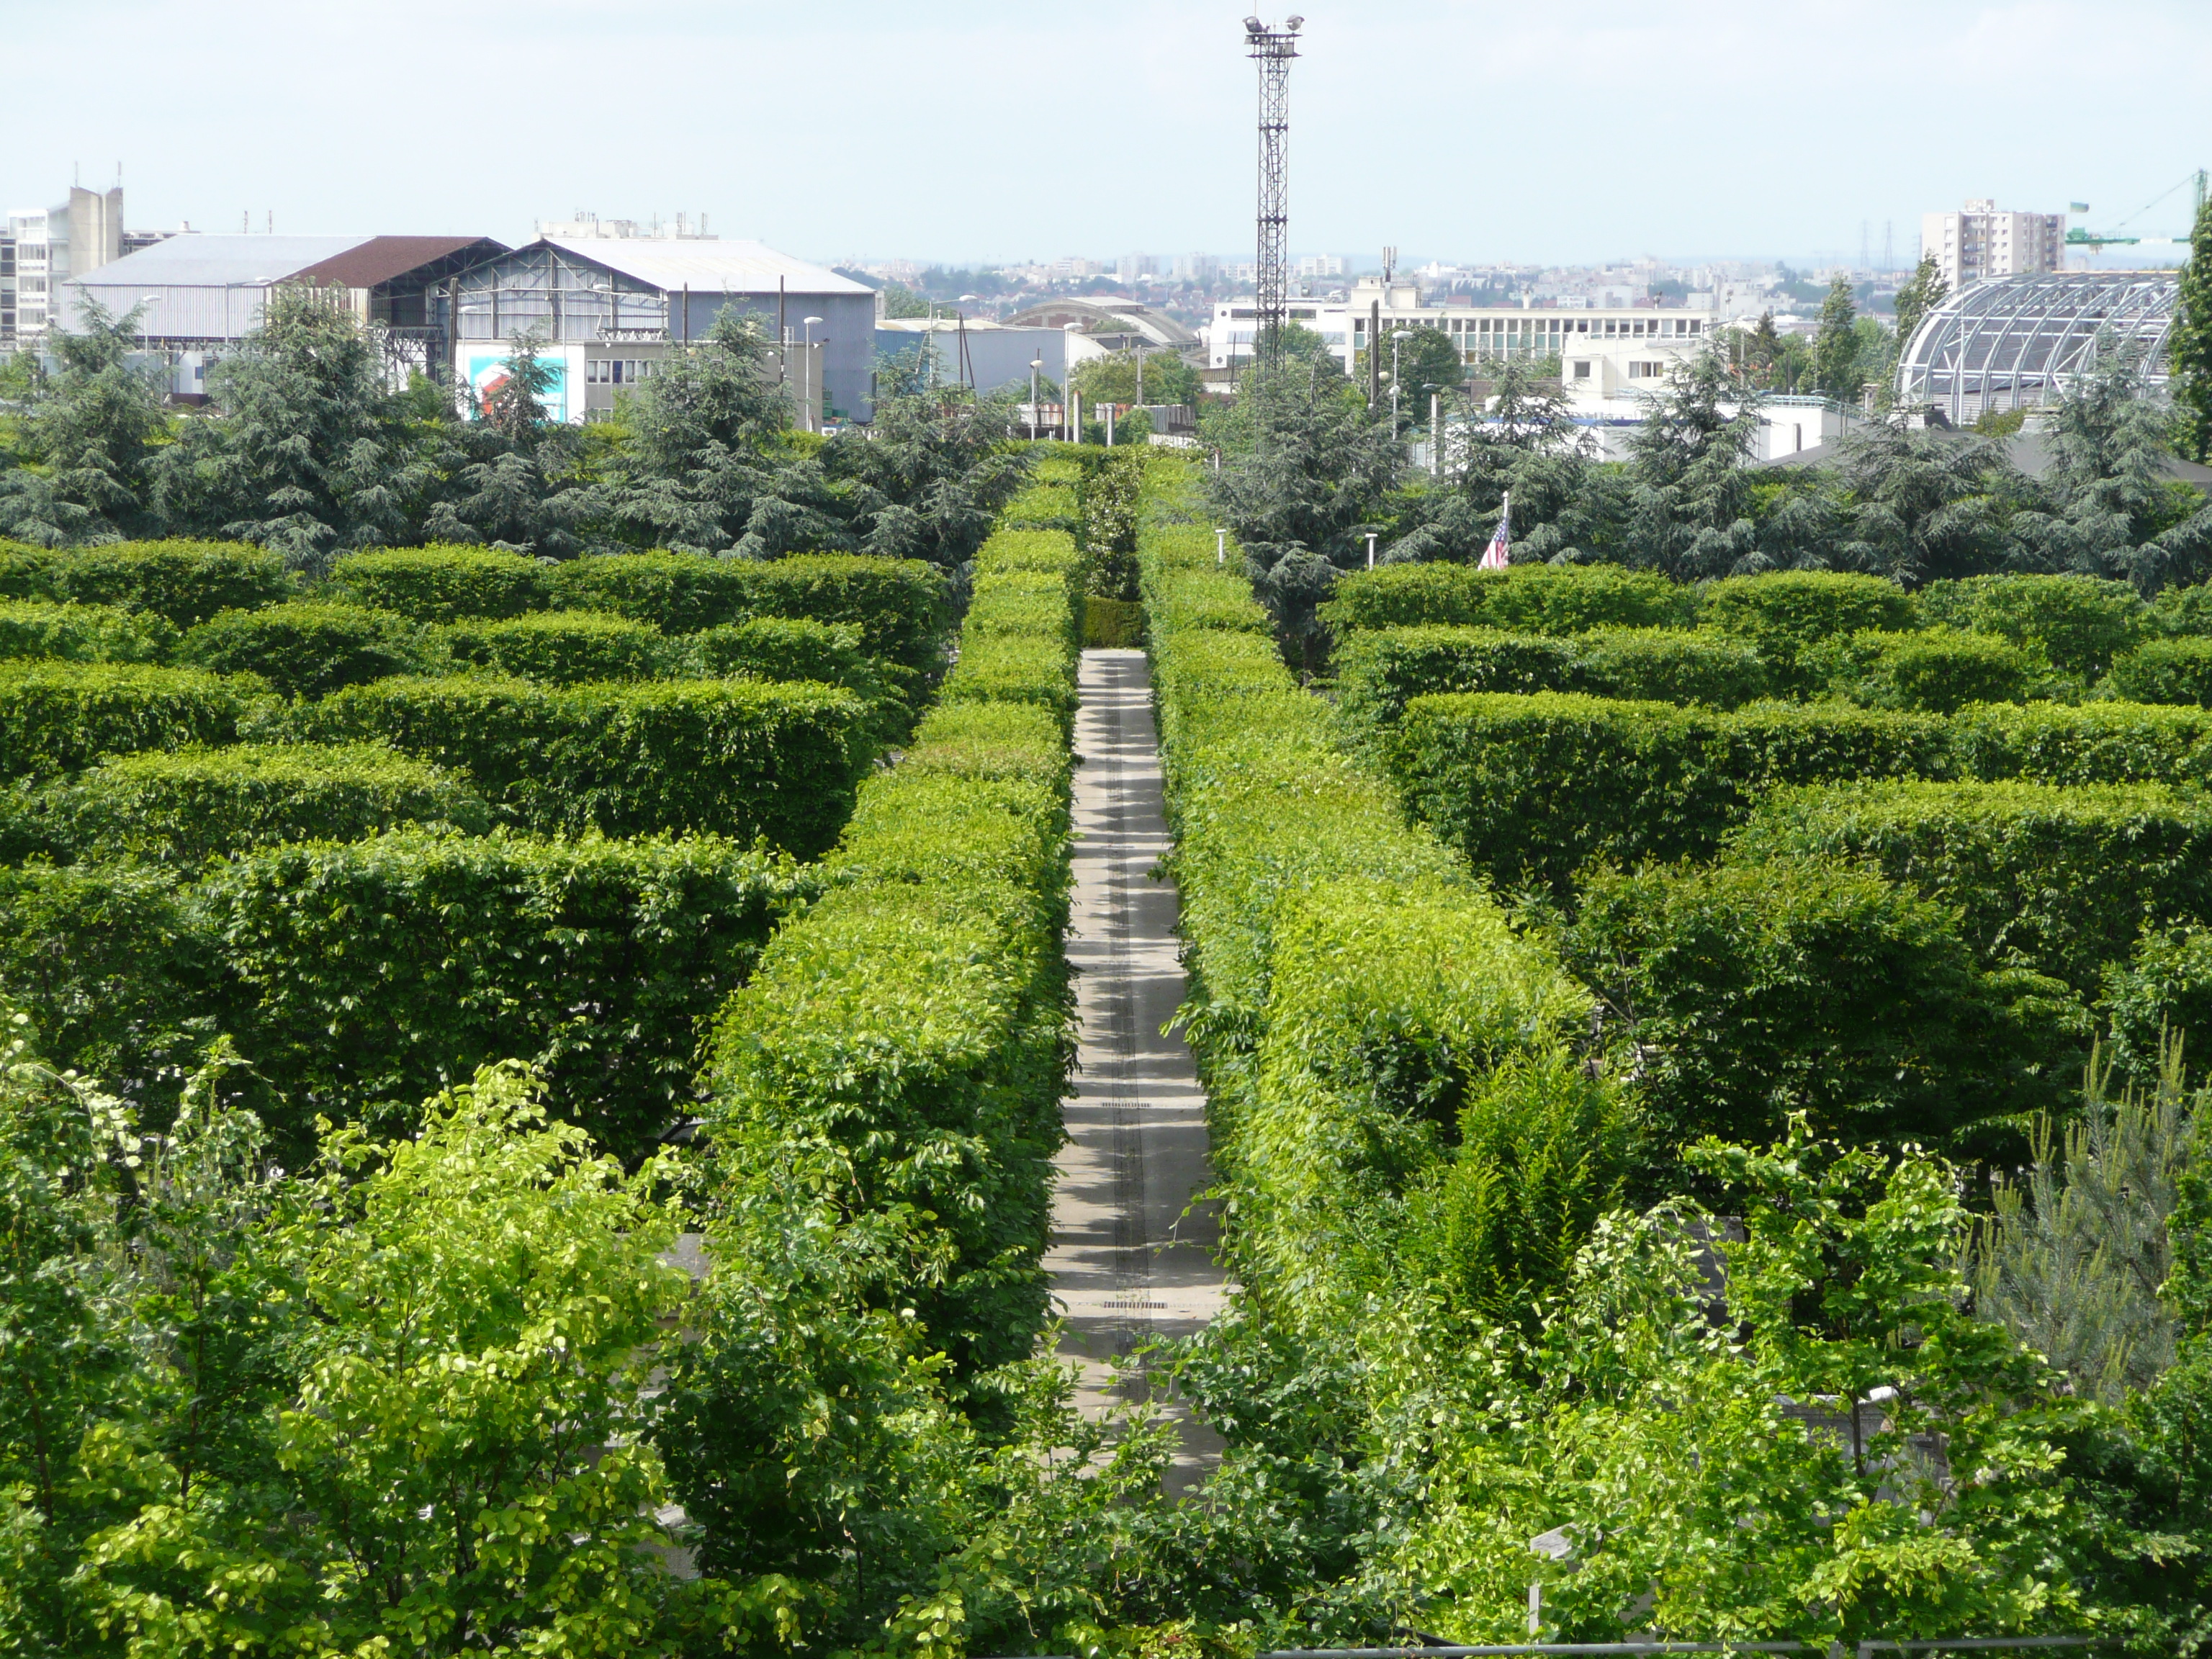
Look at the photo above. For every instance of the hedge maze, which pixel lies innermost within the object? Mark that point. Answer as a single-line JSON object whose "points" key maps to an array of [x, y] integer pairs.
{"points": [[450, 807]]}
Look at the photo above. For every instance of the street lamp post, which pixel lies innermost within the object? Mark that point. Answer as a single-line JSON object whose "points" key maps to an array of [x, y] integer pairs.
{"points": [[806, 325], [1398, 338], [1436, 434], [1221, 547], [1036, 368], [1371, 550]]}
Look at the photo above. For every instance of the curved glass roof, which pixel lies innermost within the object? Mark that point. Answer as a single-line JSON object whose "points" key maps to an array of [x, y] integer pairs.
{"points": [[2012, 341]]}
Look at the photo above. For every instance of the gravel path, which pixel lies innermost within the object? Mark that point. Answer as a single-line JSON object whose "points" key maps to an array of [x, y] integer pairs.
{"points": [[1127, 1263]]}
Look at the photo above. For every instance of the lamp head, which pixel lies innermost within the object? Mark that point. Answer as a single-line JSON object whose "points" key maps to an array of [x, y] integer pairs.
{"points": [[1295, 23], [804, 320], [1254, 26]]}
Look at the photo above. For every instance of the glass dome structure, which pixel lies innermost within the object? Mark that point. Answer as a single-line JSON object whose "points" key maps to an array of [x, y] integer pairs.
{"points": [[2014, 342]]}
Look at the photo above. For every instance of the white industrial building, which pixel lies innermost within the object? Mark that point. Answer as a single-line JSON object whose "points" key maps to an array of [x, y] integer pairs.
{"points": [[42, 248], [1979, 242]]}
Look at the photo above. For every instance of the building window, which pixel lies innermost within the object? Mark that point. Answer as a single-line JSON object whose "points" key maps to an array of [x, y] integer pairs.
{"points": [[1582, 370]]}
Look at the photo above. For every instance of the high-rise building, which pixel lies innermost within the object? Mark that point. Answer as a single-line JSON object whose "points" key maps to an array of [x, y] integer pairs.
{"points": [[1981, 242], [1321, 265], [41, 248]]}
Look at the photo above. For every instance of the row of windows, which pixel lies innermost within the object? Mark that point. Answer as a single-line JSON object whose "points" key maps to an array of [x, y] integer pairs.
{"points": [[1525, 327], [616, 371]]}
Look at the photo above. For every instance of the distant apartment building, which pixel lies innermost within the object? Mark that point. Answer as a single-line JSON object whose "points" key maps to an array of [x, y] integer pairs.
{"points": [[1321, 265], [1196, 267], [1979, 242], [41, 248]]}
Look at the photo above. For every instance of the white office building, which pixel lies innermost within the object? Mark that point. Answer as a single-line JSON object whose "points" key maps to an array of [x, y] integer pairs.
{"points": [[1979, 242]]}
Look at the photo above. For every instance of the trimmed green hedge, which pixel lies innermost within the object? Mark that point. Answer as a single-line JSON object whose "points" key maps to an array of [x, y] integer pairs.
{"points": [[1746, 991], [1787, 612], [2062, 880], [1538, 786], [2165, 671], [919, 1017], [1936, 671], [730, 758], [83, 632], [1024, 632], [443, 583], [2080, 623], [362, 978], [186, 806], [1525, 598], [1349, 982], [59, 716], [2183, 610], [562, 648], [183, 582], [2091, 743], [794, 649], [309, 650], [898, 605], [1380, 669]]}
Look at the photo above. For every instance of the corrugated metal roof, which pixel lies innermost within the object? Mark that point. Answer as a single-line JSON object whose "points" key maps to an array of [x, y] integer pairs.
{"points": [[381, 259], [218, 261], [668, 264]]}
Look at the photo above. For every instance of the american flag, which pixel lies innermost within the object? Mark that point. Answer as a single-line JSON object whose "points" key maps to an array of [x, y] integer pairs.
{"points": [[1499, 554]]}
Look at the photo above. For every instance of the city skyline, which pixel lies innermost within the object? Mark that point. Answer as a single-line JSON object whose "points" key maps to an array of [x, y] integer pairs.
{"points": [[1462, 131]]}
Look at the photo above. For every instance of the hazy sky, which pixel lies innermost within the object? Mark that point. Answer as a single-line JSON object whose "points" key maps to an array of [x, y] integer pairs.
{"points": [[987, 129]]}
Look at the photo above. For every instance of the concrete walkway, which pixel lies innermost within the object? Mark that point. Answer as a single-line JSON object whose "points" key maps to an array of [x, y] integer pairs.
{"points": [[1127, 1264]]}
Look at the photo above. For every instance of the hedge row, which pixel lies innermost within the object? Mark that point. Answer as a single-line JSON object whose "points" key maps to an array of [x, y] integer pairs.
{"points": [[733, 758], [361, 978], [1533, 787], [186, 806], [83, 632], [59, 716], [1351, 988], [919, 1017], [182, 583], [1380, 669], [2078, 624], [898, 605]]}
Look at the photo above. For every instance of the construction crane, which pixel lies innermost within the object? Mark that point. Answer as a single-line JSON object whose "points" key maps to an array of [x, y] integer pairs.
{"points": [[2097, 243]]}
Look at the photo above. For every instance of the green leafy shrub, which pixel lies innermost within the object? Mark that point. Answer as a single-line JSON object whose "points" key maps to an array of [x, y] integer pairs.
{"points": [[309, 650], [1537, 785], [2080, 623], [83, 632], [1022, 638], [1526, 599], [794, 649], [898, 605], [1044, 505], [1787, 612], [2060, 879], [442, 583], [2163, 993], [1208, 600], [1112, 624], [2088, 743], [183, 582], [56, 717], [1545, 1150], [1936, 671], [360, 977], [1749, 991], [1380, 669], [2165, 671], [117, 981], [2185, 611], [562, 648], [728, 758], [917, 1019], [187, 805]]}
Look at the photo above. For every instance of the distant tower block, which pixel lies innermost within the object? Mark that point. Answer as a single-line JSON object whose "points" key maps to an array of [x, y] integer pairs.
{"points": [[1272, 50]]}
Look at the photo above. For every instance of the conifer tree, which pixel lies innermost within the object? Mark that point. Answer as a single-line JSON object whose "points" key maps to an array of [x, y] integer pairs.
{"points": [[2189, 348], [1836, 368]]}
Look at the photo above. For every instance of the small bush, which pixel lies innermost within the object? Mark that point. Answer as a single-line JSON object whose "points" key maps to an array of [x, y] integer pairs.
{"points": [[1747, 991], [2080, 623], [2091, 743], [443, 583], [186, 806], [307, 650], [1937, 671], [1537, 785], [2183, 611], [2165, 671], [2062, 880], [728, 758], [57, 717], [1529, 599], [562, 648], [83, 632], [182, 582], [2163, 993], [1786, 613]]}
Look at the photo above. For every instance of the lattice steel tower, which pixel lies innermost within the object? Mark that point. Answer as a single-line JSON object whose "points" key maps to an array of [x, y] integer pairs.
{"points": [[1272, 50]]}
